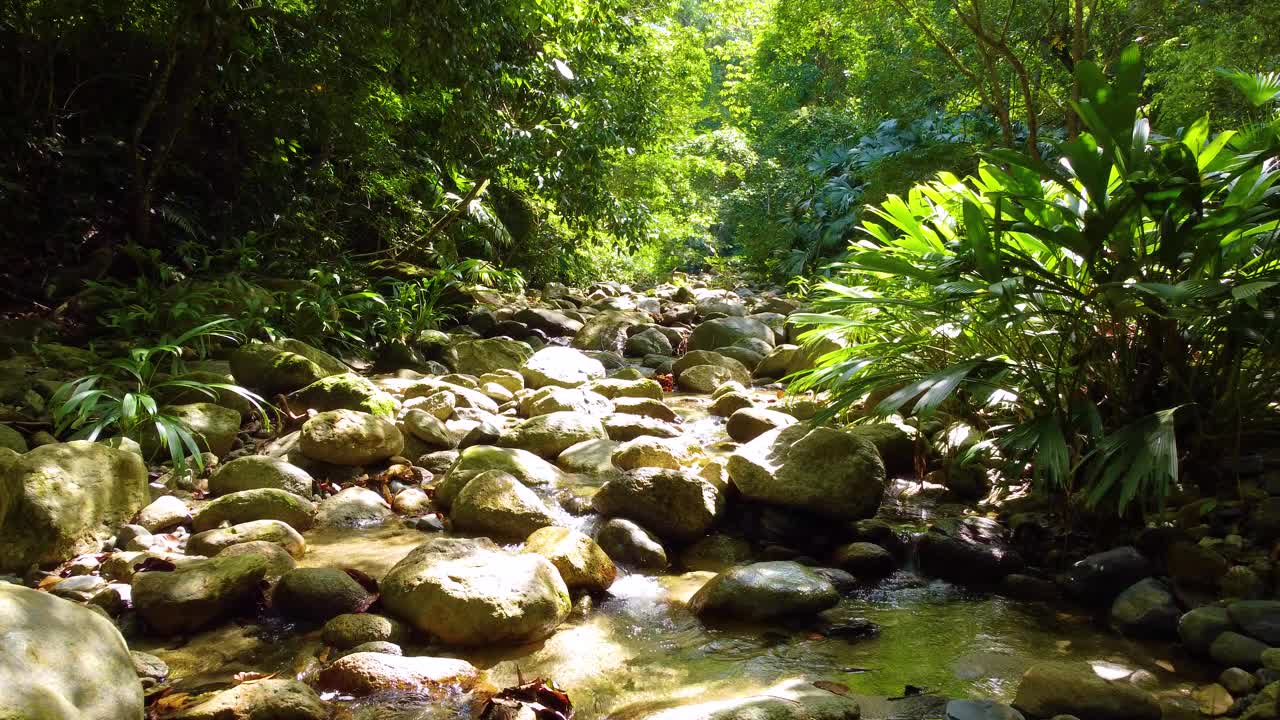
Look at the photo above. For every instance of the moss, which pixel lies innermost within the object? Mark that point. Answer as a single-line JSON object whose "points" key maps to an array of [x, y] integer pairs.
{"points": [[347, 391]]}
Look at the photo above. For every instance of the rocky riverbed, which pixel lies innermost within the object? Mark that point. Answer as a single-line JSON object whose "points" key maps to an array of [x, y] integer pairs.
{"points": [[607, 490]]}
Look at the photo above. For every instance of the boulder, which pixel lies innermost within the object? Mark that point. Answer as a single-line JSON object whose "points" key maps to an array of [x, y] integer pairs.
{"points": [[198, 594], [865, 560], [608, 330], [349, 630], [765, 590], [1050, 689], [485, 356], [624, 426], [551, 434], [560, 367], [777, 363], [736, 371], [675, 505], [349, 437], [164, 513], [278, 560], [726, 404], [614, 388], [590, 457], [582, 564], [551, 322], [980, 710], [353, 507], [266, 699], [347, 391], [260, 504], [649, 451], [12, 439], [628, 543], [726, 331], [254, 472], [895, 443], [365, 673], [61, 660], [750, 423], [721, 305], [212, 542], [1194, 565], [1098, 579], [715, 553], [649, 341], [429, 430], [63, 499], [1258, 619], [1201, 626], [272, 368], [820, 469], [970, 551], [318, 594], [1147, 609], [523, 465], [468, 592], [557, 399], [1231, 649], [645, 407], [214, 428], [496, 504]]}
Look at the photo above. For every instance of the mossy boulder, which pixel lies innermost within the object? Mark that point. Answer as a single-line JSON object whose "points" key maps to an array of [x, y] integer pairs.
{"points": [[259, 504], [582, 564], [260, 471], [350, 437], [347, 391], [213, 426], [823, 470], [496, 504], [469, 592], [478, 357], [283, 366], [212, 542], [765, 590], [318, 594], [63, 499], [13, 440], [198, 594], [523, 465]]}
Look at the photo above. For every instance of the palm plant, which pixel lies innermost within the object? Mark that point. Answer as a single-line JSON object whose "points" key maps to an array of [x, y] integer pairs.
{"points": [[1106, 314], [89, 406]]}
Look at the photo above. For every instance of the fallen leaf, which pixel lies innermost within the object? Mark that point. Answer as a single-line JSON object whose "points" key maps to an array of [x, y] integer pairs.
{"points": [[833, 687]]}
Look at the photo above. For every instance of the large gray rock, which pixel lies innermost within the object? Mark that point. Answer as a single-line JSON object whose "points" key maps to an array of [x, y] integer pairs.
{"points": [[628, 543], [282, 367], [750, 423], [163, 513], [214, 428], [592, 457], [1231, 649], [59, 660], [649, 341], [608, 330], [349, 437], [765, 590], [551, 322], [557, 399], [1258, 619], [675, 505], [551, 434], [560, 367], [523, 465], [353, 507], [478, 357], [64, 499], [496, 504], [268, 699], [820, 469], [261, 504], [468, 592], [349, 630], [429, 430], [365, 673], [319, 594], [1100, 578], [971, 551], [198, 594], [347, 391], [1201, 626], [1146, 609], [735, 370], [583, 565], [212, 542], [726, 331], [1050, 689], [254, 472]]}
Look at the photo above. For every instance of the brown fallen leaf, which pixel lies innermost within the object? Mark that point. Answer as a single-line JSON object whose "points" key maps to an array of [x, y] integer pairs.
{"points": [[833, 687]]}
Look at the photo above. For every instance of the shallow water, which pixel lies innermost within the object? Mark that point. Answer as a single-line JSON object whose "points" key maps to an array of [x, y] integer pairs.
{"points": [[640, 649]]}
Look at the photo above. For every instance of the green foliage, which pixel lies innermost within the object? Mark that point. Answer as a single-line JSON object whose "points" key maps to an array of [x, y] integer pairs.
{"points": [[1100, 315], [126, 397]]}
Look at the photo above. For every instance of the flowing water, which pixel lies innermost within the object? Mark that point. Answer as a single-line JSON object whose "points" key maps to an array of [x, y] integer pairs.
{"points": [[641, 649]]}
